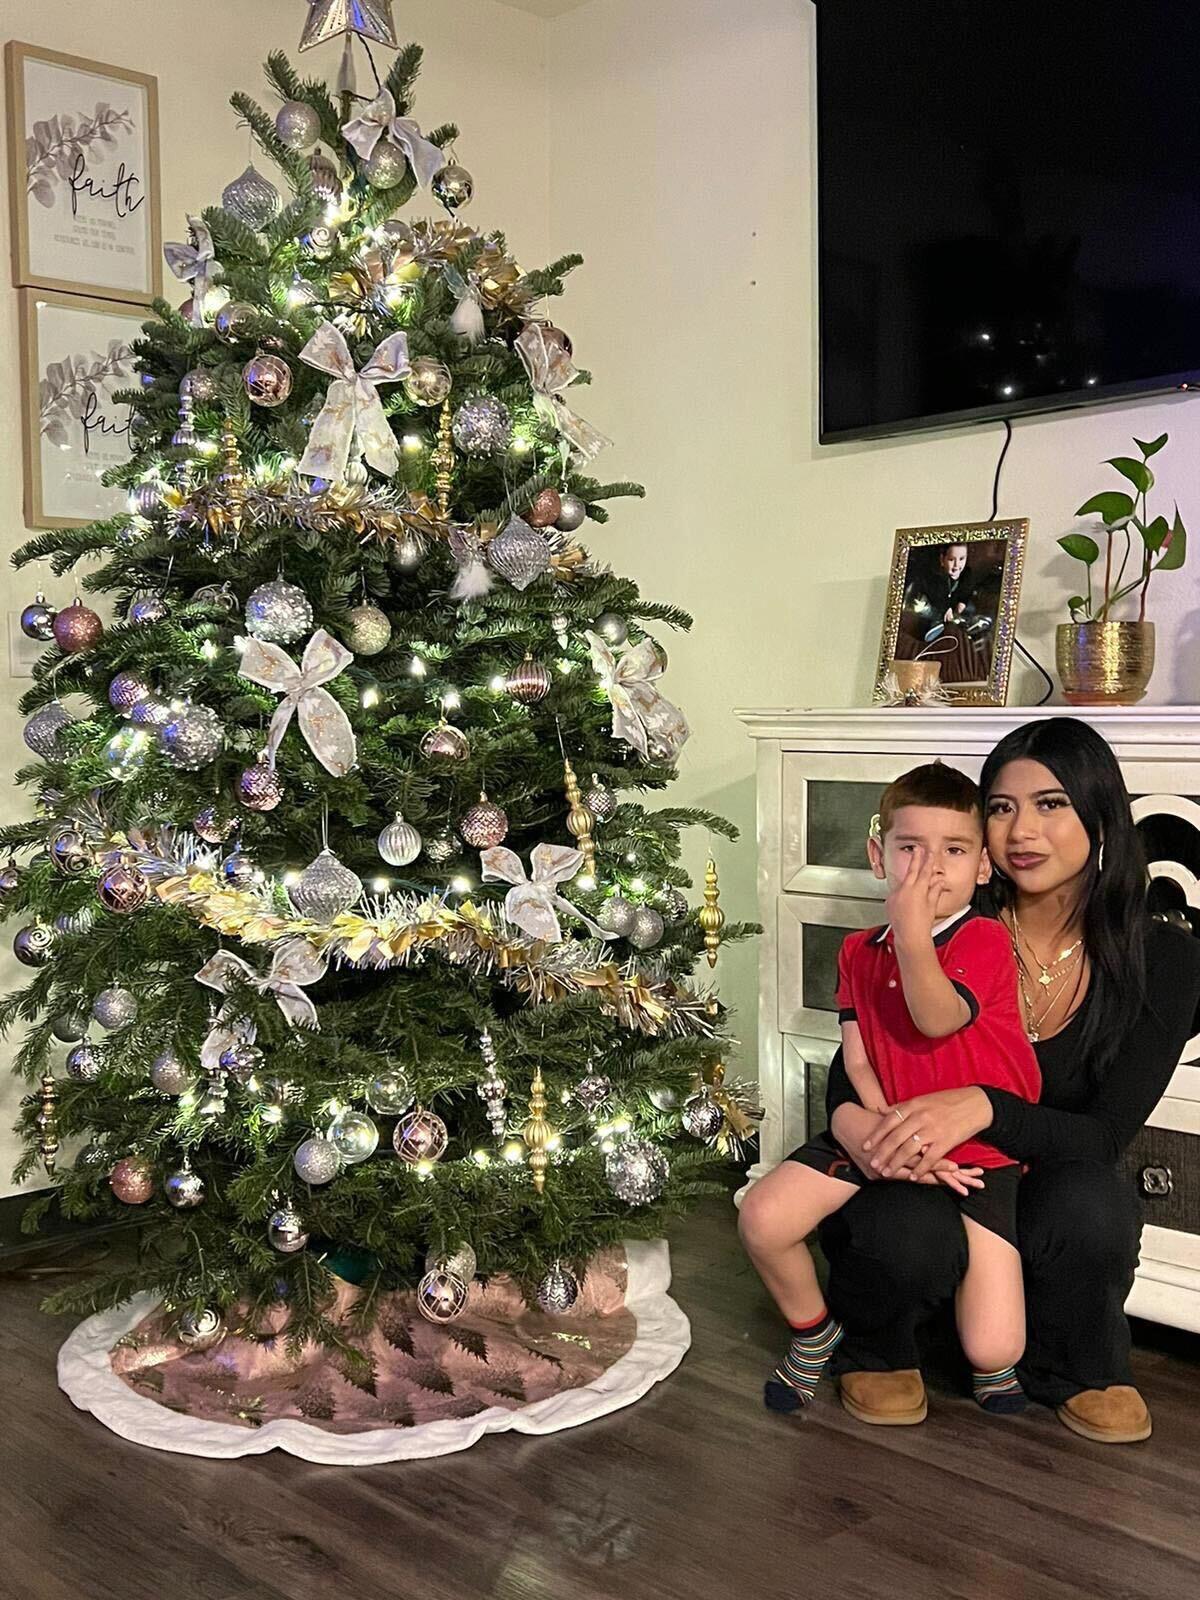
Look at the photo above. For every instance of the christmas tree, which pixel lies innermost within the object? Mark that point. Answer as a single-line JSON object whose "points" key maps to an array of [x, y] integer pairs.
{"points": [[366, 955]]}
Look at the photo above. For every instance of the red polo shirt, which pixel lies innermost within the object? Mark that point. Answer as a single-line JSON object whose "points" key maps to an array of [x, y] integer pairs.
{"points": [[991, 1049]]}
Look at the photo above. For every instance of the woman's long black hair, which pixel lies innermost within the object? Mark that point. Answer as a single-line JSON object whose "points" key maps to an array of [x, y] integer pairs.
{"points": [[1112, 898]]}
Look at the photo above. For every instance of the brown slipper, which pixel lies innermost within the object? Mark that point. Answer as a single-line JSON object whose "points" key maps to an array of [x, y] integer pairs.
{"points": [[885, 1399], [1117, 1415]]}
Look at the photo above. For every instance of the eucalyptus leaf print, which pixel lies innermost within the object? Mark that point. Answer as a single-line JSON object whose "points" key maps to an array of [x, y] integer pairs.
{"points": [[58, 143], [68, 389]]}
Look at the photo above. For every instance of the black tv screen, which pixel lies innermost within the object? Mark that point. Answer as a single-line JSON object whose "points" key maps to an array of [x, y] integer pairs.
{"points": [[1009, 206]]}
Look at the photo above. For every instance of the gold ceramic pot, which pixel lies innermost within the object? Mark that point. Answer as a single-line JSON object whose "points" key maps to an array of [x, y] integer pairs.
{"points": [[1105, 663]]}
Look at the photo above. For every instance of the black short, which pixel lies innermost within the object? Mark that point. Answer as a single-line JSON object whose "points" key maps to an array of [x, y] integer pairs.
{"points": [[994, 1206]]}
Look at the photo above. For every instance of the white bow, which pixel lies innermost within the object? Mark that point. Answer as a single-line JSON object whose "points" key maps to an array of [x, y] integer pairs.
{"points": [[195, 264], [379, 118], [323, 723], [352, 404], [295, 964], [642, 716], [531, 904], [551, 370]]}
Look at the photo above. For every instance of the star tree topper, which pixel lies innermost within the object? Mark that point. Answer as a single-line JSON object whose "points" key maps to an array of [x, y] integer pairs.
{"points": [[329, 19]]}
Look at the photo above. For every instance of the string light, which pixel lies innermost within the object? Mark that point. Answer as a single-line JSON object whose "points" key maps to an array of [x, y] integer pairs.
{"points": [[481, 1158], [521, 444], [499, 684], [290, 878], [417, 668], [380, 885], [461, 884], [272, 1113], [423, 1169], [586, 881], [513, 1152], [369, 697], [413, 443], [208, 650], [451, 700], [638, 885]]}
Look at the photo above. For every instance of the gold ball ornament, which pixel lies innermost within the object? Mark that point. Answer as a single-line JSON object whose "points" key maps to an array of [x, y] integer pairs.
{"points": [[367, 630], [132, 1180], [267, 380], [429, 382], [77, 628], [420, 1136]]}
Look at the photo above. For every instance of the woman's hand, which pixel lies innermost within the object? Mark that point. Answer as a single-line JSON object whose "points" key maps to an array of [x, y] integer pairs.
{"points": [[856, 1129], [928, 1126]]}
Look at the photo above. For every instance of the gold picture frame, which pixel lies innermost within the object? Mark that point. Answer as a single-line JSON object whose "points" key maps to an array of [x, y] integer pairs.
{"points": [[83, 176], [952, 597]]}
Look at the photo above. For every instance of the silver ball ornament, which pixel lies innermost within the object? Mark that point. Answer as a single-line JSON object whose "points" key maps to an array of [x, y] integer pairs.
{"points": [[126, 689], [184, 1189], [251, 198], [387, 166], [442, 847], [267, 380], [148, 609], [37, 620], [612, 628], [636, 1171], [445, 742], [68, 1027], [199, 385], [367, 630], [200, 1331], [399, 843], [70, 853], [125, 753], [123, 889], [41, 732], [85, 1062], [390, 1093], [600, 801], [405, 553], [235, 321], [558, 1291], [420, 1136], [325, 889], [453, 186], [317, 1161], [354, 1136], [572, 514], [285, 1231], [617, 915], [326, 179], [461, 1262], [647, 928], [278, 612], [145, 498], [115, 1008], [238, 870], [442, 1297], [241, 1061], [429, 381], [398, 240], [170, 1075], [703, 1117], [193, 737], [592, 1091], [663, 1098], [674, 903], [74, 924], [220, 595], [298, 125], [320, 241], [482, 426], [529, 681]]}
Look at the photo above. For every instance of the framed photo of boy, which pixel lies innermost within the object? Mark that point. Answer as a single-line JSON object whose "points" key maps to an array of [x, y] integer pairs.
{"points": [[83, 175], [76, 355], [952, 598]]}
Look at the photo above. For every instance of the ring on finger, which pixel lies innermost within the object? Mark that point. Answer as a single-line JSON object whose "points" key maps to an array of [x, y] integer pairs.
{"points": [[898, 1112], [915, 1137]]}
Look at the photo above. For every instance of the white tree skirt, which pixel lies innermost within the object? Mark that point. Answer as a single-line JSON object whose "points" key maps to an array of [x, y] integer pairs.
{"points": [[663, 1337]]}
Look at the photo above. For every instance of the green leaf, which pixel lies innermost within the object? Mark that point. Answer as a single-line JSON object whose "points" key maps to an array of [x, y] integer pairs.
{"points": [[1137, 472], [1114, 507], [1081, 546], [1155, 534], [1154, 446], [1075, 605], [1175, 553]]}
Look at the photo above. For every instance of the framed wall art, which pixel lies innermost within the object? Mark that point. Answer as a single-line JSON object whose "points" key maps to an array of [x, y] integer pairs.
{"points": [[83, 175], [952, 598], [76, 354]]}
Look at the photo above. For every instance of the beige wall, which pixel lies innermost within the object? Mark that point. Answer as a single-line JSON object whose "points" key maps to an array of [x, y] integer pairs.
{"points": [[484, 70], [682, 167]]}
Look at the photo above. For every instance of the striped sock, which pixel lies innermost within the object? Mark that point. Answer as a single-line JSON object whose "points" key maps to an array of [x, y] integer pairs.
{"points": [[998, 1392], [797, 1376]]}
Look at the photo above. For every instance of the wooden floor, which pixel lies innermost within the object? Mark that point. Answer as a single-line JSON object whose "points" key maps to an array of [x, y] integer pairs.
{"points": [[694, 1493]]}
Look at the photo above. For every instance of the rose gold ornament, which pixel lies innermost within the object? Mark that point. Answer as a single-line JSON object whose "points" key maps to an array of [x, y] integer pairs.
{"points": [[484, 825], [77, 628], [123, 889], [260, 787], [545, 510], [267, 380], [529, 682], [132, 1180], [445, 742], [420, 1136]]}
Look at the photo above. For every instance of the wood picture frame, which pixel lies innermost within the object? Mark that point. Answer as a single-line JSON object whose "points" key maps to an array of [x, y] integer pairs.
{"points": [[83, 174], [75, 354], [952, 597]]}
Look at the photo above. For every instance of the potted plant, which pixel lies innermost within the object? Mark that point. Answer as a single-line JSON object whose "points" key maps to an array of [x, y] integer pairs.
{"points": [[1102, 659]]}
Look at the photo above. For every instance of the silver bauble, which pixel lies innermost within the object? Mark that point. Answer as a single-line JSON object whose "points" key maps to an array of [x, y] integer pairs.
{"points": [[210, 826], [600, 800], [420, 1136], [37, 620], [125, 753], [285, 1231], [126, 689], [115, 1008], [482, 426], [612, 628], [647, 928], [529, 681], [151, 714], [662, 1098], [354, 1136], [70, 853], [636, 1171], [703, 1117], [193, 737], [441, 1297], [148, 609], [170, 1075], [68, 1027], [85, 1062], [76, 923], [453, 186], [184, 1188], [320, 241], [317, 1161], [390, 1093], [459, 1262], [241, 1061], [366, 630], [442, 847], [41, 732], [199, 1331], [298, 125], [397, 238], [325, 888], [199, 385], [267, 380], [399, 843], [123, 889], [260, 788], [238, 871], [387, 166], [572, 514], [428, 382], [446, 743], [10, 879], [484, 825], [145, 498], [593, 1091], [519, 553], [278, 612], [558, 1291], [405, 553], [252, 199], [617, 915], [235, 321], [674, 903], [326, 179]]}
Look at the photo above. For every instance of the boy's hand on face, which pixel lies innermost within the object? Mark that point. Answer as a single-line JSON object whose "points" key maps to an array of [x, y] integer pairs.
{"points": [[912, 904]]}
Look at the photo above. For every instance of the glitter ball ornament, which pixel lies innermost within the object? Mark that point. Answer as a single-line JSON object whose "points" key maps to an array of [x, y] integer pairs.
{"points": [[260, 788], [453, 186], [285, 1231], [420, 1136], [235, 321], [251, 198], [126, 689], [429, 382], [442, 1297], [326, 179], [37, 620], [572, 513], [238, 870], [193, 737], [200, 1331], [366, 630], [405, 553], [32, 945], [317, 1161], [442, 847], [148, 609], [241, 1061], [529, 682], [647, 928], [674, 903], [170, 1075], [200, 385], [320, 241], [354, 1136], [390, 1093], [132, 1180], [558, 1291], [41, 732], [125, 753], [600, 801], [325, 889], [592, 1091], [484, 825], [123, 889], [77, 628], [387, 165], [636, 1171], [445, 743], [298, 125], [460, 1262], [703, 1117], [612, 627], [545, 509], [267, 380], [84, 1062], [68, 1027], [70, 853], [519, 553], [115, 1008], [482, 426], [210, 826], [184, 1188], [278, 612], [399, 843], [617, 915]]}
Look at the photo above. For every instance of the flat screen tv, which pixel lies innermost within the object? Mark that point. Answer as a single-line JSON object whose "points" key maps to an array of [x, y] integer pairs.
{"points": [[1009, 207]]}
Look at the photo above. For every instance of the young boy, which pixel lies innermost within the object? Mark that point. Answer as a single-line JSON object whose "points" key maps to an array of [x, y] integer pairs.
{"points": [[929, 1002]]}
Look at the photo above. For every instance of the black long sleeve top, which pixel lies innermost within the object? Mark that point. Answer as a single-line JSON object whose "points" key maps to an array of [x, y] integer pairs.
{"points": [[1079, 1118]]}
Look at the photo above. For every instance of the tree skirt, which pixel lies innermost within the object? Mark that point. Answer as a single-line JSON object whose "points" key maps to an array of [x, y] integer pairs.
{"points": [[435, 1389]]}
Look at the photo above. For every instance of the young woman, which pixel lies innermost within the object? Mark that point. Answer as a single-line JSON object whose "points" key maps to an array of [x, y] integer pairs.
{"points": [[1109, 998]]}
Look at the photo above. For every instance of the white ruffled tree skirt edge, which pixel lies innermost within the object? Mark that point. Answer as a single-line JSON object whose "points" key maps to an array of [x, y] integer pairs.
{"points": [[662, 1340]]}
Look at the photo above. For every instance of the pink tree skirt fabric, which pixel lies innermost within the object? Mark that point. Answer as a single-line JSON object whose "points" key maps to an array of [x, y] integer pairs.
{"points": [[435, 1389]]}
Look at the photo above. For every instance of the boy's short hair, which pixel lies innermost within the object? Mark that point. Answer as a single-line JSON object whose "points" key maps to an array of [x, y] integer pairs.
{"points": [[933, 785]]}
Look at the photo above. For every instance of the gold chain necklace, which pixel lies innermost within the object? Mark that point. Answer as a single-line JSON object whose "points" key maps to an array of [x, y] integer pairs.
{"points": [[1038, 1015], [1046, 968]]}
